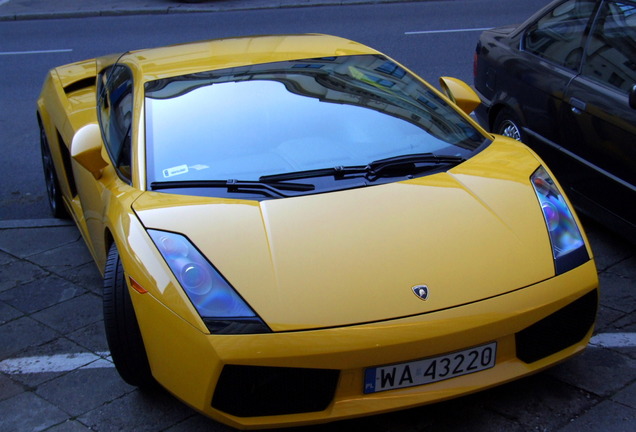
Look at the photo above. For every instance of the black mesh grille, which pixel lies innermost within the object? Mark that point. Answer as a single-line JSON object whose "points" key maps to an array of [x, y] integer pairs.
{"points": [[250, 391], [558, 331]]}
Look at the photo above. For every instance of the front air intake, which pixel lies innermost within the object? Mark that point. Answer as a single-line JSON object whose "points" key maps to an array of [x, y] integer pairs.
{"points": [[558, 331], [252, 391]]}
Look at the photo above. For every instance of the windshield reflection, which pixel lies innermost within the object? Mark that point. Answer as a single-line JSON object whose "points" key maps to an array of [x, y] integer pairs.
{"points": [[253, 121]]}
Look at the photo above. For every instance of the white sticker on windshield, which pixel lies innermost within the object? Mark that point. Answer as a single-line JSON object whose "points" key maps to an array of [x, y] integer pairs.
{"points": [[175, 171]]}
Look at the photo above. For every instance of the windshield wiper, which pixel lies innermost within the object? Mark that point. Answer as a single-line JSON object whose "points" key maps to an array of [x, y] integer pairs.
{"points": [[410, 163], [337, 172], [395, 166], [271, 189]]}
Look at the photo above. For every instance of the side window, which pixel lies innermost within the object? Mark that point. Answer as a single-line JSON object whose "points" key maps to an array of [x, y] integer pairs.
{"points": [[559, 35], [114, 111], [611, 51]]}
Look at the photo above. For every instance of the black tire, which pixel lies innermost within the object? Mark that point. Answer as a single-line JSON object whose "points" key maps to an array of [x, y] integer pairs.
{"points": [[53, 192], [507, 124], [122, 330]]}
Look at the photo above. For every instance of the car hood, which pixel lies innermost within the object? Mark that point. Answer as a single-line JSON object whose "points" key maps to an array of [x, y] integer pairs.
{"points": [[353, 256]]}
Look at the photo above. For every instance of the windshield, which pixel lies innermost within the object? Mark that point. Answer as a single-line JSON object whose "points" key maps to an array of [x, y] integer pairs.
{"points": [[261, 120]]}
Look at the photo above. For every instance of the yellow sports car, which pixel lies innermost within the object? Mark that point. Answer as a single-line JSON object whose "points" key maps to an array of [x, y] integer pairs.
{"points": [[297, 229]]}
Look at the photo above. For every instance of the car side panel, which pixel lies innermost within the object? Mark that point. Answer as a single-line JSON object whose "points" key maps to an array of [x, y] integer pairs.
{"points": [[514, 79], [53, 114], [66, 104], [602, 130]]}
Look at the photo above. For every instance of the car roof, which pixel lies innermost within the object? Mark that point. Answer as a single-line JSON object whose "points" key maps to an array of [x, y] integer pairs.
{"points": [[157, 63]]}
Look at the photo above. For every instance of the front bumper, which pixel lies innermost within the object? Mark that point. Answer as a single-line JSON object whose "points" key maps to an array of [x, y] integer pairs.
{"points": [[323, 370]]}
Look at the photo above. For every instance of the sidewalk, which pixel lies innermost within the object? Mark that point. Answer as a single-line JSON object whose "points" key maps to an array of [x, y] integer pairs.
{"points": [[11, 10]]}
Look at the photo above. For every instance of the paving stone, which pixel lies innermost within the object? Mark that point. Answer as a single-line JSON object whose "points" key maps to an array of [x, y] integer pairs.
{"points": [[22, 333], [627, 396], [625, 268], [92, 337], [618, 292], [607, 416], [8, 387], [86, 275], [72, 314], [5, 258], [8, 313], [607, 247], [19, 272], [199, 423], [40, 294], [538, 402], [29, 412], [607, 319], [76, 392], [69, 426], [626, 324], [631, 351], [470, 420], [435, 417], [67, 256], [31, 241], [138, 411], [598, 371]]}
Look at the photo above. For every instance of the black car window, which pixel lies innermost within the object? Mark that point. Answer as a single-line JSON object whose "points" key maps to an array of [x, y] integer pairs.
{"points": [[114, 110], [611, 51], [559, 35]]}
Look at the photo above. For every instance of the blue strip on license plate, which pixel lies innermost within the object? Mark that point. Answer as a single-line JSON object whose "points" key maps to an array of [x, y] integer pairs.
{"points": [[430, 370]]}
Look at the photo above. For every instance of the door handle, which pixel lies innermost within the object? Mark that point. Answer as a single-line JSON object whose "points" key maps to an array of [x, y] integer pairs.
{"points": [[578, 106]]}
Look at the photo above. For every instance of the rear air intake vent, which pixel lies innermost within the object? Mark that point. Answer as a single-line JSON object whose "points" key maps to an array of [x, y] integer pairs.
{"points": [[80, 85]]}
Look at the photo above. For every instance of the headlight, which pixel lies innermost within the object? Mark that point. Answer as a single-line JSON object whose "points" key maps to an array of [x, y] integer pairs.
{"points": [[218, 304], [568, 247]]}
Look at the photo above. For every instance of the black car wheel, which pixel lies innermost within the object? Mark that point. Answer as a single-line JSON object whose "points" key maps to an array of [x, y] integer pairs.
{"points": [[122, 330], [53, 192], [507, 124]]}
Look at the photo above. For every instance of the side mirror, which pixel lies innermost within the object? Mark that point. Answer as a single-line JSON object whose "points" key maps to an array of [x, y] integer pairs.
{"points": [[632, 97], [460, 93], [86, 149]]}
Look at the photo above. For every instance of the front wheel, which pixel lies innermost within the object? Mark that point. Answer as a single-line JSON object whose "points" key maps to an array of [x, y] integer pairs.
{"points": [[122, 330], [507, 124]]}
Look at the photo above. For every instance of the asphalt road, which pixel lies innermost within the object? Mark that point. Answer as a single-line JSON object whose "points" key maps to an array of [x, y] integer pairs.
{"points": [[433, 38]]}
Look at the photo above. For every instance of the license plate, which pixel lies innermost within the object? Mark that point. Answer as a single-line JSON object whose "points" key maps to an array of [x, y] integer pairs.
{"points": [[430, 370]]}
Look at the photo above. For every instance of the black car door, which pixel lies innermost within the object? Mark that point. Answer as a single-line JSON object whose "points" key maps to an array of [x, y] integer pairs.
{"points": [[554, 44], [599, 125]]}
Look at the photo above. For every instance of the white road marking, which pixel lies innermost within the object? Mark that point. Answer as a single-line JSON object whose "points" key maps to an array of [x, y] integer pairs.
{"points": [[614, 340], [69, 362], [446, 31], [53, 51], [56, 363]]}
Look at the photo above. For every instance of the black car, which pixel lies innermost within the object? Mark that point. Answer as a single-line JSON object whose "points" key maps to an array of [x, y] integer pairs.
{"points": [[564, 82]]}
